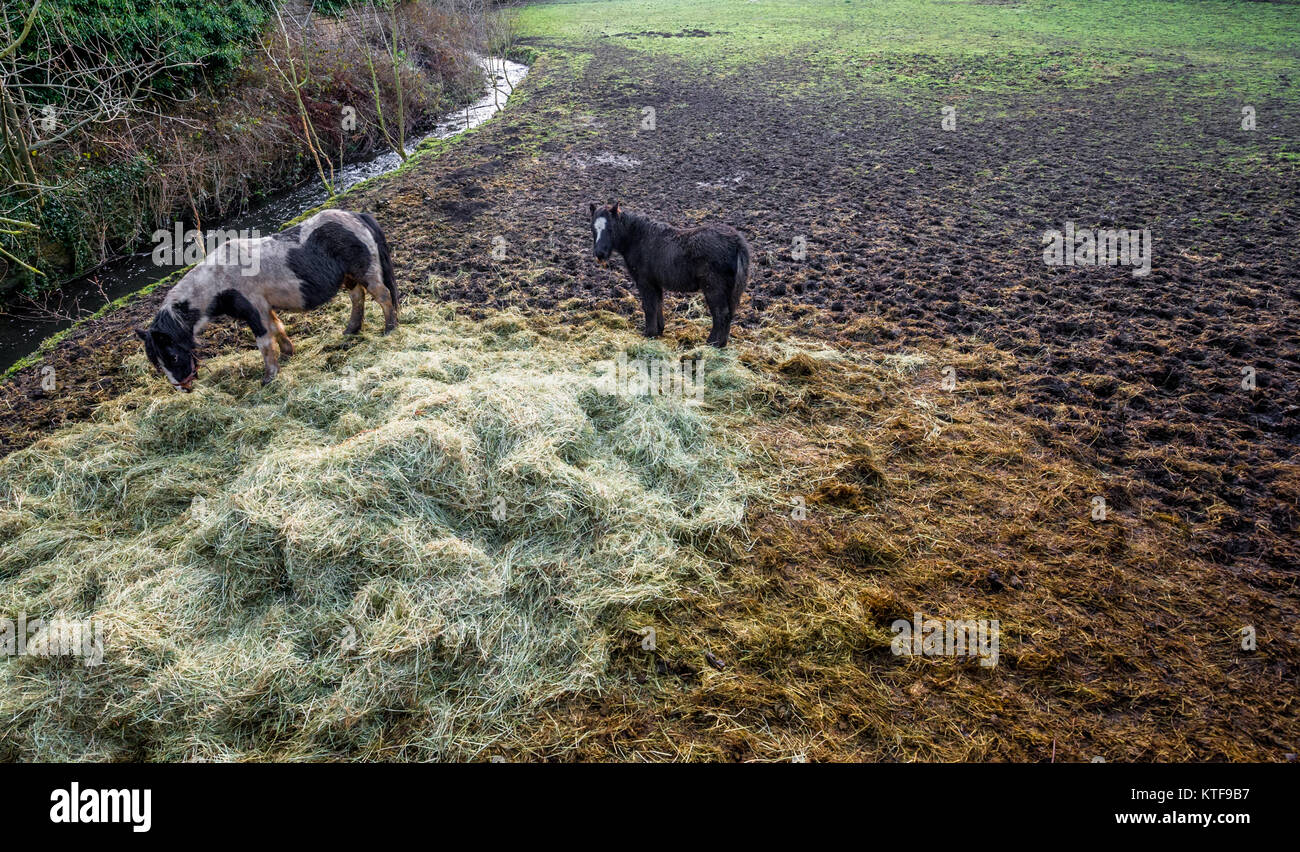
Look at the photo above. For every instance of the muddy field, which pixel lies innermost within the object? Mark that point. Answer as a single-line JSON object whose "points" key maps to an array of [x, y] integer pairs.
{"points": [[925, 242]]}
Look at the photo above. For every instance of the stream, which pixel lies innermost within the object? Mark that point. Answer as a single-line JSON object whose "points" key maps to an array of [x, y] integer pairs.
{"points": [[21, 333]]}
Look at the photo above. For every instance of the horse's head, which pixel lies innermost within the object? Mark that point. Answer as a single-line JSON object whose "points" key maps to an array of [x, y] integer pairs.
{"points": [[606, 229], [172, 357]]}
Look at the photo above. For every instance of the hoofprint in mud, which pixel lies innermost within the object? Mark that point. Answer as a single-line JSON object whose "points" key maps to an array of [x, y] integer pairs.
{"points": [[298, 269]]}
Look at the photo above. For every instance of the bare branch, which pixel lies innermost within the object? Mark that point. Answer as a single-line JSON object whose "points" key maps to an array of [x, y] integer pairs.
{"points": [[22, 36]]}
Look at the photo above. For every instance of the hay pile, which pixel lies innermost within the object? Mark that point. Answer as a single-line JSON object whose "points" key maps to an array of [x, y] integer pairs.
{"points": [[392, 553]]}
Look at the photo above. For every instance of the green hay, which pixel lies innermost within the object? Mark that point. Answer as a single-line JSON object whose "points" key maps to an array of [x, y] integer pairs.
{"points": [[393, 552]]}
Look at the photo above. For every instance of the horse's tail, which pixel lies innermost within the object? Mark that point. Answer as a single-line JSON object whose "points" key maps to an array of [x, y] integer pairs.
{"points": [[742, 276], [385, 262]]}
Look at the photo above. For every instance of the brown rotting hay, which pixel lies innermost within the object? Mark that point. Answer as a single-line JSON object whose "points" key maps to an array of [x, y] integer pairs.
{"points": [[1116, 641]]}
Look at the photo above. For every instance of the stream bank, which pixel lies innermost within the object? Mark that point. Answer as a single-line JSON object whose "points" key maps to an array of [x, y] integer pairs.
{"points": [[93, 293]]}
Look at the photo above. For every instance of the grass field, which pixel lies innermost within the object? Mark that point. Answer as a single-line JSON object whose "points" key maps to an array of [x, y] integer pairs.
{"points": [[916, 416], [935, 47]]}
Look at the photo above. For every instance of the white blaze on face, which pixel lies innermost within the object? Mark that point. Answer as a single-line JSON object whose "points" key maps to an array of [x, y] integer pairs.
{"points": [[599, 225]]}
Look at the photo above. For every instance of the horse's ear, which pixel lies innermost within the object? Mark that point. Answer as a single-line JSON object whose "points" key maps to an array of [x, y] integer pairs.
{"points": [[142, 334], [591, 208], [614, 209]]}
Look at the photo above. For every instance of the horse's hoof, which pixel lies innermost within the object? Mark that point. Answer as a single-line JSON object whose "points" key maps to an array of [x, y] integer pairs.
{"points": [[388, 328], [266, 380]]}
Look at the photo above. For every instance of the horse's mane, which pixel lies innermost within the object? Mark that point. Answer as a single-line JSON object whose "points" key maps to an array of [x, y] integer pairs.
{"points": [[176, 317]]}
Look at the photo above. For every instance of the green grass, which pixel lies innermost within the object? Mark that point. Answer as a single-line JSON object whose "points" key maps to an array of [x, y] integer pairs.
{"points": [[924, 44]]}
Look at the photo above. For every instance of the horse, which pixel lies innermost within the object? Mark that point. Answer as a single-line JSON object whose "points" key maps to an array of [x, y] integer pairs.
{"points": [[298, 269], [712, 259]]}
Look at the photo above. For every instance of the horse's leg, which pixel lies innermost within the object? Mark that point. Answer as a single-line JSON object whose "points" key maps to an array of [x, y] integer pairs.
{"points": [[358, 294], [380, 294], [724, 333], [259, 320], [720, 310], [725, 312], [652, 305], [281, 336], [270, 365]]}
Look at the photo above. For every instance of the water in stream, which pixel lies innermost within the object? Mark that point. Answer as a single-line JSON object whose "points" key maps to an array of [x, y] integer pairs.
{"points": [[21, 333]]}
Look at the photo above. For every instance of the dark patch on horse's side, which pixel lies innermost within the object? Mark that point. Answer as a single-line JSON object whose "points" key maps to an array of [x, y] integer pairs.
{"points": [[232, 303], [331, 254], [709, 259]]}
